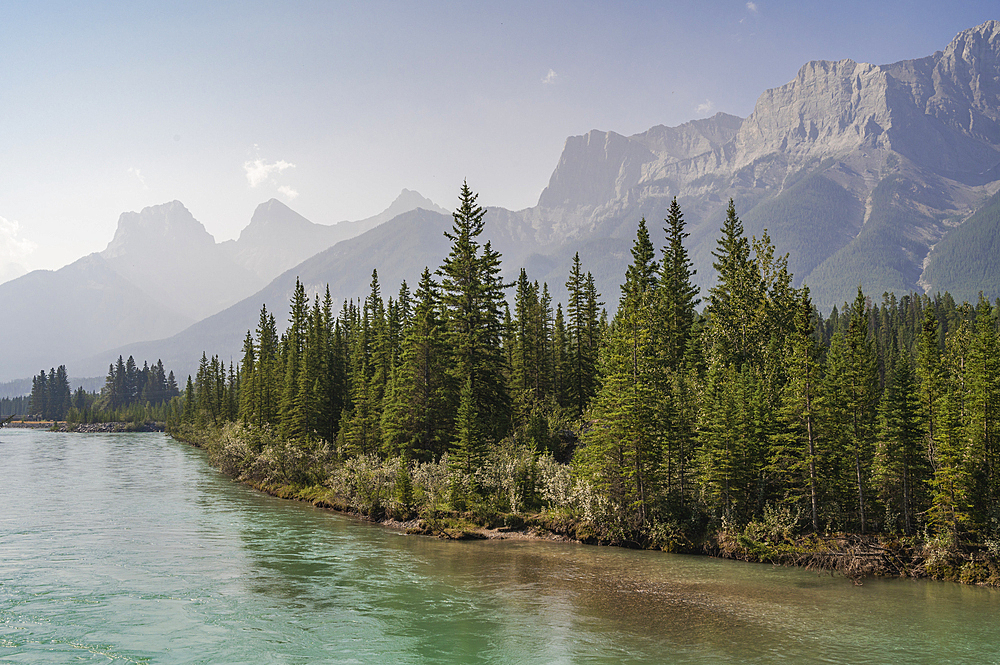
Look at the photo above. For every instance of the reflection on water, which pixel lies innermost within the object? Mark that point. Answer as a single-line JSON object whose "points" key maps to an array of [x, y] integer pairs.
{"points": [[130, 548]]}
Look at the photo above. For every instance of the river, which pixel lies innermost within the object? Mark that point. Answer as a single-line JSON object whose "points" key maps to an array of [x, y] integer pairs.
{"points": [[131, 548]]}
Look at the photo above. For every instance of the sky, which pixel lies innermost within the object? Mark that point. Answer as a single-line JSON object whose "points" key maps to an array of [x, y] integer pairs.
{"points": [[334, 107]]}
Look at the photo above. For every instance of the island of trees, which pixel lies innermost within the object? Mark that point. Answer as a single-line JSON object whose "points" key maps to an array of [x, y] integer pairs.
{"points": [[756, 427]]}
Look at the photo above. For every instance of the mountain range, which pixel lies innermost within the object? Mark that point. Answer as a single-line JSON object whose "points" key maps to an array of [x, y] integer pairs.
{"points": [[883, 176]]}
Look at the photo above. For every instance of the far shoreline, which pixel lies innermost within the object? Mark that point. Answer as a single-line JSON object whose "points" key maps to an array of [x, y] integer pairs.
{"points": [[87, 428]]}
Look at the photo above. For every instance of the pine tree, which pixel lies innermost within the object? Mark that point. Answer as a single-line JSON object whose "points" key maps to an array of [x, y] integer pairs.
{"points": [[248, 373], [679, 296], [293, 419], [267, 373], [622, 455], [472, 294], [794, 458], [417, 422], [40, 395], [983, 423], [849, 408], [900, 468], [734, 300]]}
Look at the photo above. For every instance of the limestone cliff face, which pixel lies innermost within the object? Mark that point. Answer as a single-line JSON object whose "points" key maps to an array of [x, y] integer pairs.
{"points": [[941, 112], [926, 130], [603, 166]]}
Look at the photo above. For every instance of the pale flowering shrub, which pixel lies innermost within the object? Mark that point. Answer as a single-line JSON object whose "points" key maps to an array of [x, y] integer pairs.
{"points": [[231, 451], [367, 482], [509, 476], [594, 506], [432, 484], [556, 485]]}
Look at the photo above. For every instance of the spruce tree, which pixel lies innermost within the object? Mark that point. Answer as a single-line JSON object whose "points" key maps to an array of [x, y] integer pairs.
{"points": [[419, 414], [735, 302], [794, 458], [623, 456], [472, 293], [292, 419], [900, 467], [850, 395], [679, 296]]}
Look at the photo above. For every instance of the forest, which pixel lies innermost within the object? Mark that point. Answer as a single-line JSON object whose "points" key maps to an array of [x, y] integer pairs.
{"points": [[658, 428], [130, 394]]}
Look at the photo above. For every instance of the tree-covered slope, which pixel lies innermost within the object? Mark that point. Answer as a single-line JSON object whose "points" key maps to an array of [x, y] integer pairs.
{"points": [[967, 260], [810, 221], [886, 255]]}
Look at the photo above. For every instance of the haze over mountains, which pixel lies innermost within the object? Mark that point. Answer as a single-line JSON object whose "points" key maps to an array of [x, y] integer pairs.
{"points": [[160, 273], [885, 176]]}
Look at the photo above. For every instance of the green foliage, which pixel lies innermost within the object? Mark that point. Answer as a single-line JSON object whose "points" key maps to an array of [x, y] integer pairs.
{"points": [[879, 251], [757, 418], [964, 261]]}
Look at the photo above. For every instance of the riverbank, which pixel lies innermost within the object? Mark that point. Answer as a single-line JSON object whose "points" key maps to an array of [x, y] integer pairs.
{"points": [[379, 492], [87, 428]]}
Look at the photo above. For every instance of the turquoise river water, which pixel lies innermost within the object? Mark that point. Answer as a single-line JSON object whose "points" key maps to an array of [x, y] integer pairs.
{"points": [[130, 548]]}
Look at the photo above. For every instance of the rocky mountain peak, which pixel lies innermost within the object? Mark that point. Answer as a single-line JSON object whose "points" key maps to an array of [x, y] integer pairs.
{"points": [[410, 200], [156, 228], [829, 108], [271, 219]]}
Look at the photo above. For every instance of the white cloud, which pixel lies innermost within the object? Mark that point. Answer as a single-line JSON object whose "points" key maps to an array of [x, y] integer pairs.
{"points": [[705, 107], [288, 192], [550, 78], [14, 250], [138, 174], [259, 171], [752, 7]]}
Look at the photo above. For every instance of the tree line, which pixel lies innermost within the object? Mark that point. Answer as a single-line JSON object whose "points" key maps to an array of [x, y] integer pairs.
{"points": [[129, 394], [881, 418]]}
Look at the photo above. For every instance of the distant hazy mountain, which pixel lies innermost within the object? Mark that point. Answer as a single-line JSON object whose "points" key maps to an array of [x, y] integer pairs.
{"points": [[160, 273], [52, 317], [398, 249], [880, 175], [278, 238], [169, 255]]}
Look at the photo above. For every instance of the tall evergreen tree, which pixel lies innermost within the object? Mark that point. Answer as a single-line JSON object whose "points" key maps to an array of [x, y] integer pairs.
{"points": [[794, 458], [734, 300], [622, 457], [472, 293], [849, 406], [679, 296], [293, 421]]}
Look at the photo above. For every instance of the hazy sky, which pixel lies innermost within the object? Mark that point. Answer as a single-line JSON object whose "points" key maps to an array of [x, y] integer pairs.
{"points": [[335, 107]]}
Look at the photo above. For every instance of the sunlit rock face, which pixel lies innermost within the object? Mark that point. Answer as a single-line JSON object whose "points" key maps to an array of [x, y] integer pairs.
{"points": [[904, 152]]}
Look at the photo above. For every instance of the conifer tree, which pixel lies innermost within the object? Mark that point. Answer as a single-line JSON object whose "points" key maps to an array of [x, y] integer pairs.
{"points": [[40, 394], [849, 408], [900, 468], [732, 304], [984, 418], [417, 422], [623, 455], [292, 419], [248, 371], [679, 296], [794, 458], [472, 293], [264, 390]]}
